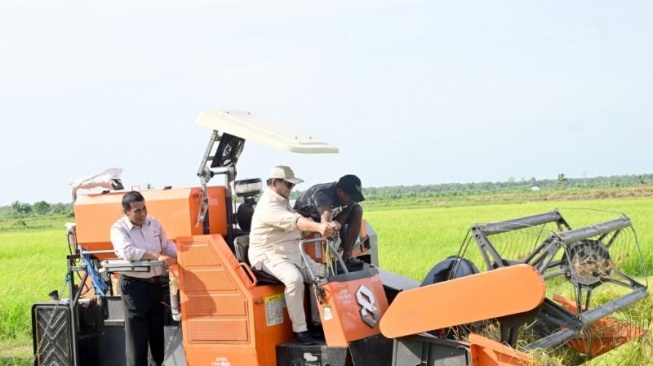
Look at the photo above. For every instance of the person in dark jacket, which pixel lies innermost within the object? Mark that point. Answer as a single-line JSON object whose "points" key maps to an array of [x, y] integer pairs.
{"points": [[337, 201]]}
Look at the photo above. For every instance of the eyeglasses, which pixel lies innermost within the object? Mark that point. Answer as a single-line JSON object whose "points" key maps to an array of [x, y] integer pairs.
{"points": [[288, 184]]}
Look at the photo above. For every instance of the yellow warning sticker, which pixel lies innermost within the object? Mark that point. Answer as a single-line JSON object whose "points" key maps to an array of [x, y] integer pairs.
{"points": [[274, 309], [278, 297]]}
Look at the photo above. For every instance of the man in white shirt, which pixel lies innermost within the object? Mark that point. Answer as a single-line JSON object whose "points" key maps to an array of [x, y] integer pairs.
{"points": [[137, 237], [274, 240]]}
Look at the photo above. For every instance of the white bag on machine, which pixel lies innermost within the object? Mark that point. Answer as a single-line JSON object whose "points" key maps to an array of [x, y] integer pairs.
{"points": [[109, 179]]}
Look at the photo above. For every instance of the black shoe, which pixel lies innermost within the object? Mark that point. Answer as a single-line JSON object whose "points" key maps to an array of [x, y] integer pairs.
{"points": [[353, 262], [304, 338], [316, 331]]}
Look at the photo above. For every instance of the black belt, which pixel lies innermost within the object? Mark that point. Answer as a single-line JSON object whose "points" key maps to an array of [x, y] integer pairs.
{"points": [[155, 279]]}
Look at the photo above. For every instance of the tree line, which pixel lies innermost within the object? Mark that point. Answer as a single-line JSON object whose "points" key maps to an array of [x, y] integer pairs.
{"points": [[561, 182], [18, 208]]}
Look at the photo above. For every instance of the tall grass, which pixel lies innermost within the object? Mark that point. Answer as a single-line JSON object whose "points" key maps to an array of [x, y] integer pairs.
{"points": [[412, 239], [33, 263]]}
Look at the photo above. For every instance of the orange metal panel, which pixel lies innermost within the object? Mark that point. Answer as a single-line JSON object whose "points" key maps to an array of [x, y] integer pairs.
{"points": [[206, 279], [177, 209], [226, 305], [200, 255], [271, 321], [217, 210], [503, 291], [315, 250], [342, 310], [486, 352], [220, 329], [94, 215], [232, 355], [224, 317]]}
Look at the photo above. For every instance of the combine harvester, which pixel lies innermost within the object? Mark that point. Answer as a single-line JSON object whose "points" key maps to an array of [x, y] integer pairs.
{"points": [[223, 312]]}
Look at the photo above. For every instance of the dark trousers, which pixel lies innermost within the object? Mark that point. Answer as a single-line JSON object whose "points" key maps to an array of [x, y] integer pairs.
{"points": [[351, 220], [141, 304]]}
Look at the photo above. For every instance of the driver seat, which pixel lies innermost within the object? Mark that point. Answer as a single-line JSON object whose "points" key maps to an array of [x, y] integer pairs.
{"points": [[241, 246]]}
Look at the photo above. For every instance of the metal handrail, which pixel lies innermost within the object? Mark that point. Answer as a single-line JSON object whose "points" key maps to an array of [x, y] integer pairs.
{"points": [[123, 265], [330, 247]]}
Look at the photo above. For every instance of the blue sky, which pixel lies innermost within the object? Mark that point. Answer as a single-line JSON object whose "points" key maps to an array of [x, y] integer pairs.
{"points": [[412, 92]]}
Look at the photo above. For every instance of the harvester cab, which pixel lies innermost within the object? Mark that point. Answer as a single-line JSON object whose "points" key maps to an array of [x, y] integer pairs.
{"points": [[487, 307]]}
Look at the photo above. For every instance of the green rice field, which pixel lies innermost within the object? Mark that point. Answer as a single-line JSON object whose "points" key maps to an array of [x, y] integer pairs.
{"points": [[33, 263], [411, 240]]}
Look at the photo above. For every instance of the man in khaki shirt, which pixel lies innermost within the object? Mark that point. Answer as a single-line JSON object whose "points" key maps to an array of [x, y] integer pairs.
{"points": [[274, 240]]}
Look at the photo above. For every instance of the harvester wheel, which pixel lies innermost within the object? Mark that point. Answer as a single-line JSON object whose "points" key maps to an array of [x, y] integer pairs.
{"points": [[448, 269]]}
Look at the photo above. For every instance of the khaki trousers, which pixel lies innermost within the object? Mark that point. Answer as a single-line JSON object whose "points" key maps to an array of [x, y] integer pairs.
{"points": [[294, 277]]}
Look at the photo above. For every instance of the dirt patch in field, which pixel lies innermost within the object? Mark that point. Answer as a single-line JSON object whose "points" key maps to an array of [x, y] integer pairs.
{"points": [[513, 197], [15, 355]]}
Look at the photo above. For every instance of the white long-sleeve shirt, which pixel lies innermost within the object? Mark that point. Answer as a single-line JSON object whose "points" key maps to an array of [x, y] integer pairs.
{"points": [[131, 242]]}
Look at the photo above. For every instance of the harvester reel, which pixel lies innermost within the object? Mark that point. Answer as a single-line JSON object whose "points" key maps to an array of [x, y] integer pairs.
{"points": [[576, 263], [589, 263]]}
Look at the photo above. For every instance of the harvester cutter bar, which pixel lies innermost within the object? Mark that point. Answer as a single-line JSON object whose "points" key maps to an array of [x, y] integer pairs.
{"points": [[587, 318], [610, 307]]}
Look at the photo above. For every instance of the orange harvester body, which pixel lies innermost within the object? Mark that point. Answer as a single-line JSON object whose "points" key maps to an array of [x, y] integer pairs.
{"points": [[226, 314], [221, 311]]}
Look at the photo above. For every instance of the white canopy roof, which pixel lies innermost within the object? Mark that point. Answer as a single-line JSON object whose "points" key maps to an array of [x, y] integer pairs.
{"points": [[252, 128]]}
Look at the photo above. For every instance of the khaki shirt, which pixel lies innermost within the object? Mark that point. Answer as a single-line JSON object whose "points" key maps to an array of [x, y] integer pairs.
{"points": [[131, 242], [274, 236]]}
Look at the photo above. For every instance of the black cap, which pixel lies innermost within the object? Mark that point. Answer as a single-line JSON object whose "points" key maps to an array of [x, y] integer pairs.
{"points": [[352, 186]]}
